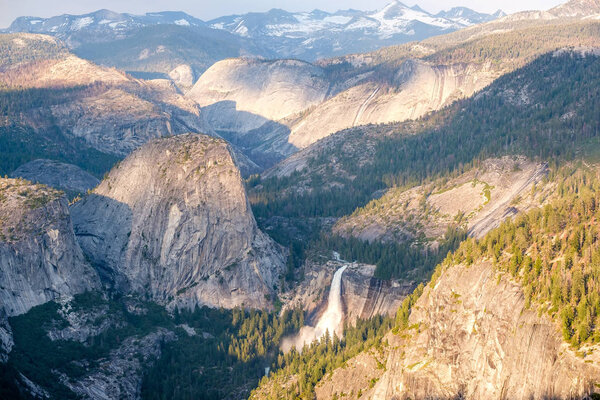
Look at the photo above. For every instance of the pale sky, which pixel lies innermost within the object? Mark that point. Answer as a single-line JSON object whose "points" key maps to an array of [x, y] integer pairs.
{"points": [[209, 9]]}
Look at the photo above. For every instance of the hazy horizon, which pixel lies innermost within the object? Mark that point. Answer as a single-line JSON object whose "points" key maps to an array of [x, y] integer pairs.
{"points": [[207, 10]]}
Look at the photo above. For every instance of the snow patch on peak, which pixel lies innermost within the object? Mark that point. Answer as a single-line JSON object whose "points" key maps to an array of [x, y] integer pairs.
{"points": [[182, 22], [337, 19], [395, 18], [241, 30], [82, 23]]}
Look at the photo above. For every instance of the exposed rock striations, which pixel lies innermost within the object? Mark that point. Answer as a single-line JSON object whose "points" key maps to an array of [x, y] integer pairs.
{"points": [[250, 101], [173, 222], [478, 200], [269, 89], [417, 88], [490, 346]]}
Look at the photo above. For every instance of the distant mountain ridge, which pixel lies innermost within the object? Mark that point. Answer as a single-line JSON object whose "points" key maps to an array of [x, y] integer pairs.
{"points": [[101, 20], [149, 46], [395, 18], [320, 34], [158, 42], [574, 9]]}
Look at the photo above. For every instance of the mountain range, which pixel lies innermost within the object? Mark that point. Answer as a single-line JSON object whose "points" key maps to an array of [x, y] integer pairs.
{"points": [[318, 34], [159, 42]]}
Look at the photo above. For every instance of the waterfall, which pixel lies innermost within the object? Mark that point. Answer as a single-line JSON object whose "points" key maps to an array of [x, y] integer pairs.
{"points": [[331, 320], [332, 317]]}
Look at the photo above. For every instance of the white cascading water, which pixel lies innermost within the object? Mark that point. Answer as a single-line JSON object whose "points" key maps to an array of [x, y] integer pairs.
{"points": [[331, 320], [334, 314]]}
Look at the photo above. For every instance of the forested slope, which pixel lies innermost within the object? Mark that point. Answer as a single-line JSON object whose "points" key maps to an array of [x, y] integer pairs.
{"points": [[515, 312], [547, 109]]}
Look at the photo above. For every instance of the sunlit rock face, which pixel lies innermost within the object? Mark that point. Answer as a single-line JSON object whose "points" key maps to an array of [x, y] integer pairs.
{"points": [[273, 108], [417, 88], [183, 77], [172, 222], [258, 90], [252, 103], [472, 337]]}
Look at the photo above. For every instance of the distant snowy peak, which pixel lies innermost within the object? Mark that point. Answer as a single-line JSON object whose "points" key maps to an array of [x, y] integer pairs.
{"points": [[466, 16], [279, 22], [102, 20], [394, 19]]}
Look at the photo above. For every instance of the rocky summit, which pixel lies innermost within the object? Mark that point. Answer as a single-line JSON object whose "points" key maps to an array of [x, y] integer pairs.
{"points": [[181, 230]]}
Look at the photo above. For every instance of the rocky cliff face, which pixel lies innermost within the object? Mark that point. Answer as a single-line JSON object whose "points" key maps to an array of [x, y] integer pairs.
{"points": [[366, 296], [472, 337], [40, 259], [181, 230], [252, 102], [298, 104], [183, 77], [263, 90], [417, 88], [363, 296], [6, 338]]}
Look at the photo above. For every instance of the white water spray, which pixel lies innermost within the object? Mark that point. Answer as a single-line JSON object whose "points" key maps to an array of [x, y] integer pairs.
{"points": [[331, 320]]}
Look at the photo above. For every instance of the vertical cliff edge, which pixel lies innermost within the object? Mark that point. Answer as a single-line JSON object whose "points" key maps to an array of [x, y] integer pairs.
{"points": [[40, 259]]}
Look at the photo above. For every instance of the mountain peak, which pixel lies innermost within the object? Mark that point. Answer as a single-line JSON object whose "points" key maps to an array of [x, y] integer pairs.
{"points": [[395, 5], [419, 9], [466, 16], [576, 8], [105, 13], [398, 10]]}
